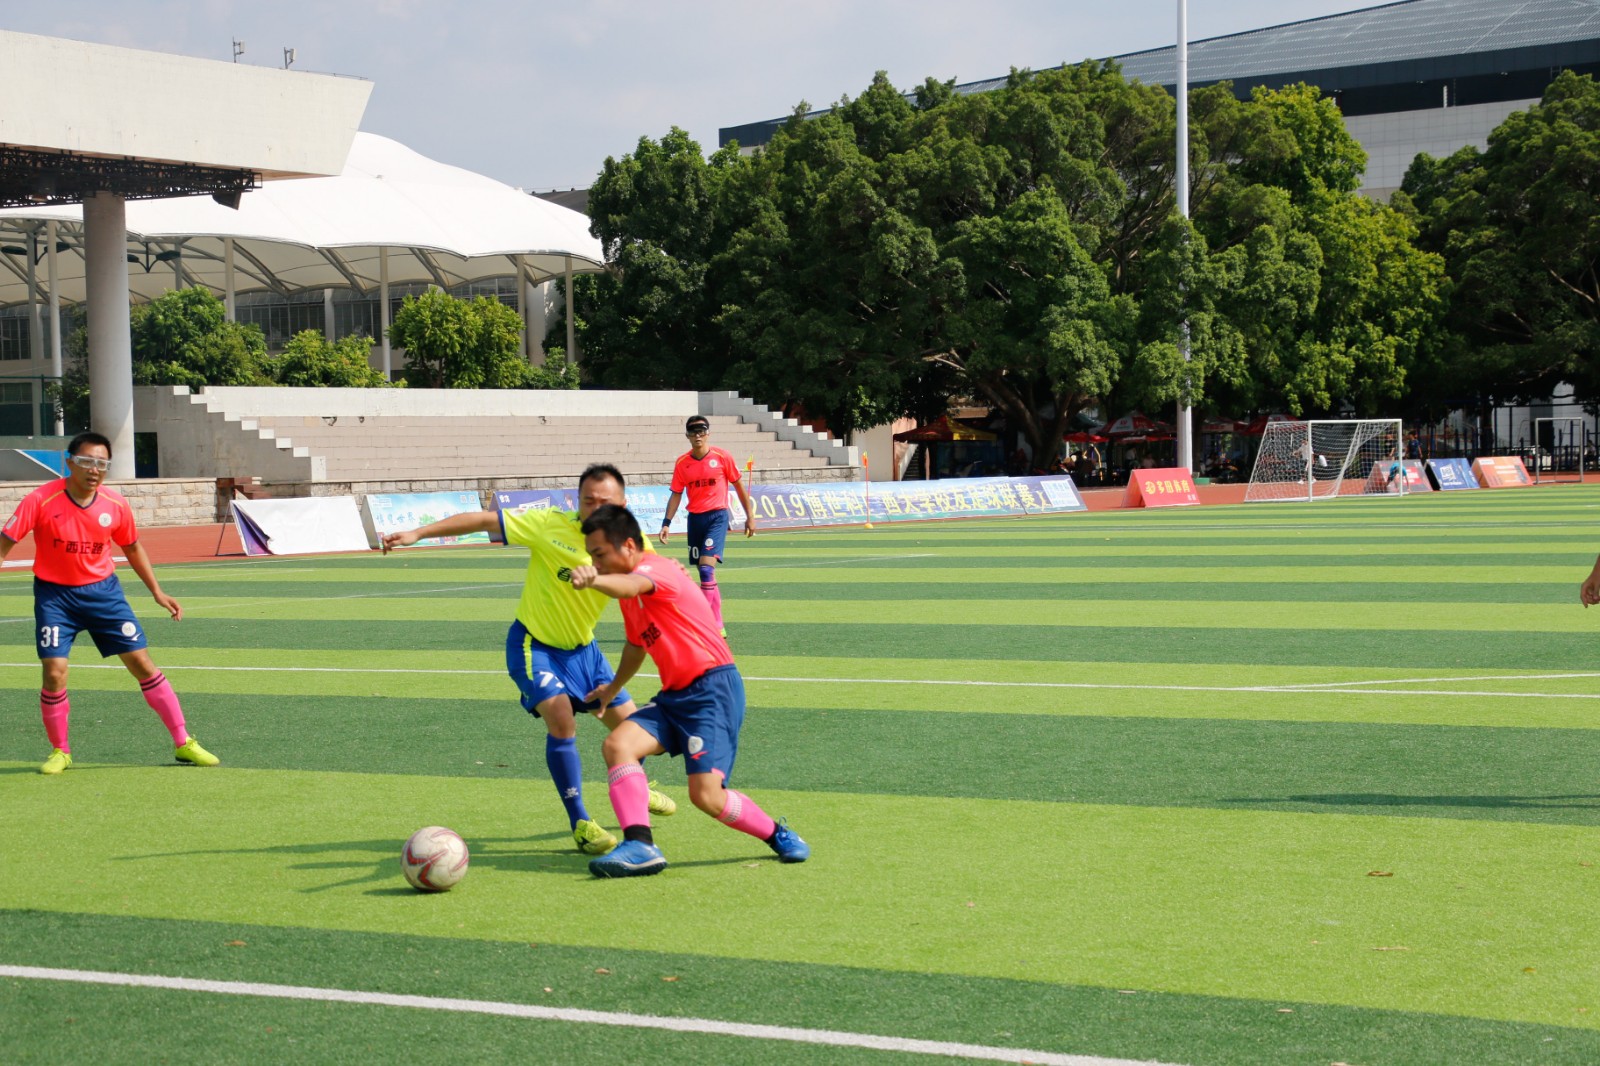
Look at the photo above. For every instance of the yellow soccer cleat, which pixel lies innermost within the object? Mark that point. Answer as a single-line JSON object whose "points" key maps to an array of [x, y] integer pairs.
{"points": [[661, 804], [58, 761], [591, 839], [190, 751]]}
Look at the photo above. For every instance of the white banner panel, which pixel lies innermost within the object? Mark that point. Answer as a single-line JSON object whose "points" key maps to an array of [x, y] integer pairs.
{"points": [[300, 526]]}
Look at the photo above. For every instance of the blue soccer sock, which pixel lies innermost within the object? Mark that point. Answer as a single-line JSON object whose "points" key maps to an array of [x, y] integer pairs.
{"points": [[561, 756]]}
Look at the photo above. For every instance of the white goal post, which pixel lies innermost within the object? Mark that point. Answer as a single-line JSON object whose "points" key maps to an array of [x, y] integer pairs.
{"points": [[1562, 458], [1322, 458]]}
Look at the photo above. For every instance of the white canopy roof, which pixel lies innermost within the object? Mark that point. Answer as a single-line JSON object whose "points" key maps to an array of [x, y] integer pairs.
{"points": [[440, 223]]}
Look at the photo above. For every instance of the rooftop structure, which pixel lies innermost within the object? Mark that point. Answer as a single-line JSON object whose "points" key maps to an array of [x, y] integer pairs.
{"points": [[1418, 75]]}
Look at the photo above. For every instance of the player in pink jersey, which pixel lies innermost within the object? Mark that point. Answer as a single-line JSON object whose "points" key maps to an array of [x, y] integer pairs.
{"points": [[705, 473], [697, 713], [75, 521]]}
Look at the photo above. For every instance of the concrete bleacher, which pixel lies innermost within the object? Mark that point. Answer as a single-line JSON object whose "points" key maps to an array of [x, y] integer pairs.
{"points": [[385, 448], [377, 436]]}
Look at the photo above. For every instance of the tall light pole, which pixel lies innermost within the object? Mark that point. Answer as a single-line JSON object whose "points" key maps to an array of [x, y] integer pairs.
{"points": [[1185, 425]]}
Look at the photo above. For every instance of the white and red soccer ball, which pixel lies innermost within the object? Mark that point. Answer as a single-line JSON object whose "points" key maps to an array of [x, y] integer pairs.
{"points": [[434, 859]]}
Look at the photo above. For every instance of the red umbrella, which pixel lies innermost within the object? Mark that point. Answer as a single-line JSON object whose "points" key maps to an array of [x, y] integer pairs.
{"points": [[1083, 436], [1134, 423], [1259, 425], [943, 428], [1223, 425]]}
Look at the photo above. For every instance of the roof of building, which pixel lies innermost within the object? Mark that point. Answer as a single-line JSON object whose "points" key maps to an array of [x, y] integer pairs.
{"points": [[429, 221], [1404, 42]]}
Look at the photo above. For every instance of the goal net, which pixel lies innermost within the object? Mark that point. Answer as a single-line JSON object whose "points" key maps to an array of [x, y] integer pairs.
{"points": [[1558, 450], [1317, 459]]}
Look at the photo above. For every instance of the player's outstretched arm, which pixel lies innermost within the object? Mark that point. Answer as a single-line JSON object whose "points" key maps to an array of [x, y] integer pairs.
{"points": [[617, 586], [139, 560], [456, 525], [1588, 592]]}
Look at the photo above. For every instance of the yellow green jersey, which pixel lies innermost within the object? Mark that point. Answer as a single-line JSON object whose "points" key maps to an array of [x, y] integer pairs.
{"points": [[552, 611]]}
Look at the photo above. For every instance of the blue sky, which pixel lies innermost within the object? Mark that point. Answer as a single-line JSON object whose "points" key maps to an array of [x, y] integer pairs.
{"points": [[537, 94]]}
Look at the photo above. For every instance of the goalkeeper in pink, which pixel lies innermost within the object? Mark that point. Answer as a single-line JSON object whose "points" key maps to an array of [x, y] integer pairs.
{"points": [[75, 520], [696, 715]]}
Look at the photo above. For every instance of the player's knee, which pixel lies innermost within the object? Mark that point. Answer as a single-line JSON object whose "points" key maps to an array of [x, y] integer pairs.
{"points": [[556, 714], [614, 750], [706, 792]]}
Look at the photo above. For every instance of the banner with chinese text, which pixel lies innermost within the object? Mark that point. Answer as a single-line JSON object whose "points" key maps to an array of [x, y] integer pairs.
{"points": [[1160, 487], [1501, 472], [837, 503], [392, 512]]}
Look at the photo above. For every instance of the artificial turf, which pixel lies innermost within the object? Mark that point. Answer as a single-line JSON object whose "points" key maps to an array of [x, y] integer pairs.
{"points": [[1267, 784]]}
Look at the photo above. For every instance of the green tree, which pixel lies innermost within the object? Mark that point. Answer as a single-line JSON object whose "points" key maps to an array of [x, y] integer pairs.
{"points": [[1518, 225], [310, 361], [184, 338], [1021, 245], [1321, 294], [453, 344], [649, 321]]}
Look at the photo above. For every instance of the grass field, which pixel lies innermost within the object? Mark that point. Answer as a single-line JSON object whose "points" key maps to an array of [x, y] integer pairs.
{"points": [[1274, 784]]}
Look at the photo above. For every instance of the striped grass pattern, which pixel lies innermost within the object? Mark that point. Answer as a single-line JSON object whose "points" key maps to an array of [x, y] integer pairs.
{"points": [[1270, 784]]}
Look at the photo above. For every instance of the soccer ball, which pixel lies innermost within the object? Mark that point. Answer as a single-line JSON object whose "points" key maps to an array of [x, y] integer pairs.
{"points": [[434, 859]]}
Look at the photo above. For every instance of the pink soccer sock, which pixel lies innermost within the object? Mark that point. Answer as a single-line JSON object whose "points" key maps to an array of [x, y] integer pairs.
{"points": [[159, 695], [630, 794], [714, 598], [742, 813], [54, 708]]}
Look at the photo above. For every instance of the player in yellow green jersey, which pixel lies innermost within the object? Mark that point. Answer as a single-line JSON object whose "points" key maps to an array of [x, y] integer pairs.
{"points": [[551, 652]]}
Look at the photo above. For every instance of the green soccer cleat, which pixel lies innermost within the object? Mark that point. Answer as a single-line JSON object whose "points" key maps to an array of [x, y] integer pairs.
{"points": [[661, 804], [61, 760], [190, 751], [591, 839]]}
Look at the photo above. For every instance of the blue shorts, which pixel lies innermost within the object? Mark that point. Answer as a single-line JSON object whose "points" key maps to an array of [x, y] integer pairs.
{"points": [[708, 535], [700, 722], [542, 672], [61, 612]]}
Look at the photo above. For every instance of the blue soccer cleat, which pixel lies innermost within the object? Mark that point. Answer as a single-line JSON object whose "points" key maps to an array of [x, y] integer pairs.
{"points": [[631, 858], [787, 843]]}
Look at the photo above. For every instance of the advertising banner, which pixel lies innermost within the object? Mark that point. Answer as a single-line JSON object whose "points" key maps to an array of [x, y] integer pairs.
{"points": [[393, 512], [1452, 474], [841, 503], [1160, 487], [300, 526], [854, 503], [647, 502], [1416, 479], [1501, 472]]}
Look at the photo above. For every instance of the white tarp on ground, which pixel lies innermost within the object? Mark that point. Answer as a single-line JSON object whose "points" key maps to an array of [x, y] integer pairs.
{"points": [[300, 526], [440, 223]]}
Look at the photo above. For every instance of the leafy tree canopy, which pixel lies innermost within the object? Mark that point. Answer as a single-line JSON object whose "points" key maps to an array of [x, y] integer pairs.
{"points": [[184, 338], [1518, 225], [309, 360], [453, 344], [1022, 245]]}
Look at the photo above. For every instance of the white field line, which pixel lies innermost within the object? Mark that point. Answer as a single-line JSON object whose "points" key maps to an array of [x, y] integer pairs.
{"points": [[324, 599], [879, 558], [825, 1037], [1337, 688]]}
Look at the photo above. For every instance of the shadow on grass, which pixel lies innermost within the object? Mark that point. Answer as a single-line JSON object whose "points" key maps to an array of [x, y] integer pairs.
{"points": [[548, 853], [1576, 801]]}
